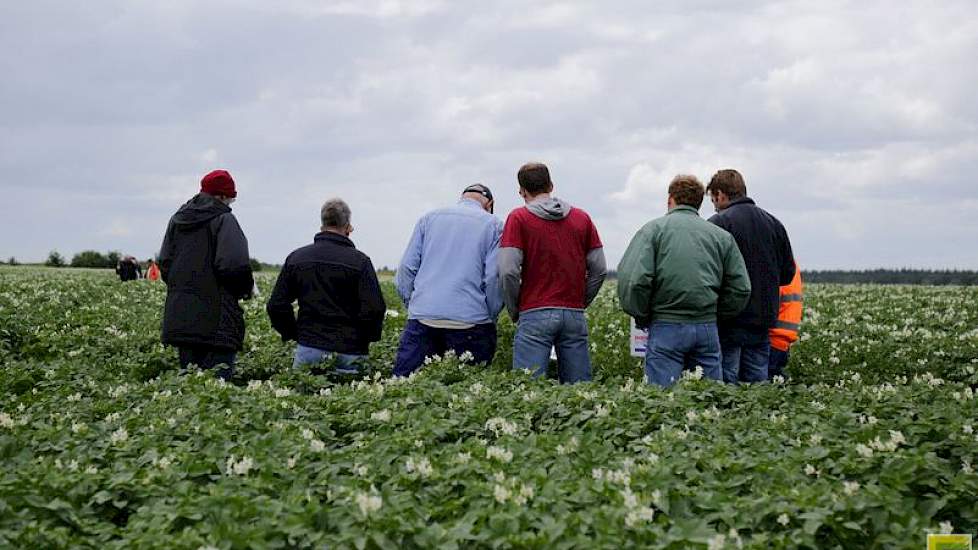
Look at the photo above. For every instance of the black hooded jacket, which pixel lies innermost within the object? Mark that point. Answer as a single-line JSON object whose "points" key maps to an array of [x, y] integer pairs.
{"points": [[764, 244], [205, 263]]}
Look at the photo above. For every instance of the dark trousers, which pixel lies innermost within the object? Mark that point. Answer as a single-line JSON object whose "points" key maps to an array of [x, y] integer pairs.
{"points": [[778, 361], [745, 354], [208, 358], [419, 341]]}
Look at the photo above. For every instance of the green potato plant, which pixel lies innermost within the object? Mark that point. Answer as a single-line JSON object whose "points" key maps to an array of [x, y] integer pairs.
{"points": [[871, 443]]}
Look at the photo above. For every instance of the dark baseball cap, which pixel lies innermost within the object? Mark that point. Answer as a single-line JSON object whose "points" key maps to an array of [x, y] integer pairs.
{"points": [[480, 189]]}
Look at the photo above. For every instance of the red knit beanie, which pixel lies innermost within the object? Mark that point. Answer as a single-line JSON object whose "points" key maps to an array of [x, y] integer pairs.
{"points": [[218, 182]]}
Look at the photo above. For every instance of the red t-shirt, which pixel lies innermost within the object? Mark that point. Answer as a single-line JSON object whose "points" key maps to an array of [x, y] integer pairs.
{"points": [[554, 257]]}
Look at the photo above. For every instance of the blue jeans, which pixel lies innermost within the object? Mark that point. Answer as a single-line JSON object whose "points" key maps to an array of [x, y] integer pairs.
{"points": [[345, 363], [745, 362], [419, 341], [207, 358], [674, 347], [539, 330], [777, 363]]}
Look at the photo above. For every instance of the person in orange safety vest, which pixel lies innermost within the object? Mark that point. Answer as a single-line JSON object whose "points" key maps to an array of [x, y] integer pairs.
{"points": [[785, 331], [153, 271]]}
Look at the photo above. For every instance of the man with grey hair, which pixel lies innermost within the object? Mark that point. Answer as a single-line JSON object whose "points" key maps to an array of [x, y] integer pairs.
{"points": [[341, 307], [448, 279]]}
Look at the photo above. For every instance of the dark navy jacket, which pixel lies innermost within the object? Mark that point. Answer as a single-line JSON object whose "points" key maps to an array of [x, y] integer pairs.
{"points": [[205, 264], [341, 307], [764, 243]]}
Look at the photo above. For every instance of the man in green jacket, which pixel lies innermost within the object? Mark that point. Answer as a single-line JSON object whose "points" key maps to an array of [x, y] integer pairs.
{"points": [[679, 274]]}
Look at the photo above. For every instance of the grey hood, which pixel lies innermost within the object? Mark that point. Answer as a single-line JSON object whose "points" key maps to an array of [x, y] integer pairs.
{"points": [[552, 209]]}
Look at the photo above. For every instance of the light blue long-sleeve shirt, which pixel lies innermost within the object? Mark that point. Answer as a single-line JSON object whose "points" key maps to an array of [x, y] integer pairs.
{"points": [[449, 270]]}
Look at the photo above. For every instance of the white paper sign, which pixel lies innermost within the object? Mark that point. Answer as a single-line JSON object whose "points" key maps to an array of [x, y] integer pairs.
{"points": [[639, 340]]}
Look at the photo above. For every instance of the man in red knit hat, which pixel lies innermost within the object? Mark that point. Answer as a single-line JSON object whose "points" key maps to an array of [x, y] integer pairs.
{"points": [[205, 264]]}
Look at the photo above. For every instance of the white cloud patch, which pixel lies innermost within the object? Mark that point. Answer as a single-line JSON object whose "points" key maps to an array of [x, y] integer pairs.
{"points": [[853, 122], [117, 228], [208, 157]]}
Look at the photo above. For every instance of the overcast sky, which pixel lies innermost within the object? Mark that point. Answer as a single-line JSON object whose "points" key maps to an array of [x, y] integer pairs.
{"points": [[855, 123]]}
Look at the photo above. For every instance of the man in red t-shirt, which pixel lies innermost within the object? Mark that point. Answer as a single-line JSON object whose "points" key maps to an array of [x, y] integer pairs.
{"points": [[551, 266]]}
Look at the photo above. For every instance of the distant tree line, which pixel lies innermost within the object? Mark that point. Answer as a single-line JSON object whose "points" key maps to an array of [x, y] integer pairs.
{"points": [[884, 276], [893, 277], [93, 258]]}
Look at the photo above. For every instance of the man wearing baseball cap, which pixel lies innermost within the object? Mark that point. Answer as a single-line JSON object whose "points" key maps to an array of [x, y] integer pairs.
{"points": [[448, 280], [205, 264]]}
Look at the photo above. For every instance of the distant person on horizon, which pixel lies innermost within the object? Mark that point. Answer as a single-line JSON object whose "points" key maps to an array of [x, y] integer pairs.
{"points": [[552, 265], [152, 271], [448, 280], [128, 269], [341, 307], [785, 330], [679, 275], [205, 264], [763, 241]]}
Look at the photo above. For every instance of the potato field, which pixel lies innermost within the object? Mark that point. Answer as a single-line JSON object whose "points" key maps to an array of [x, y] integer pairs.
{"points": [[871, 443]]}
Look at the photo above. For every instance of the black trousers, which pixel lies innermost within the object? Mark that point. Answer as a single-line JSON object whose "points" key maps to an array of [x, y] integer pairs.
{"points": [[208, 358]]}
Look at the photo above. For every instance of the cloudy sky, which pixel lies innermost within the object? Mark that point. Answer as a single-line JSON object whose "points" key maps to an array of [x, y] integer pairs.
{"points": [[855, 123]]}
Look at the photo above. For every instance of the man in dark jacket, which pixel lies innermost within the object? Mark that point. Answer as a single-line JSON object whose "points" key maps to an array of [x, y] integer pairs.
{"points": [[128, 269], [341, 307], [205, 264], [764, 243]]}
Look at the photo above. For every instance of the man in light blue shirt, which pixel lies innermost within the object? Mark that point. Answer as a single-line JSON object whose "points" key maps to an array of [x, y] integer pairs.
{"points": [[449, 281]]}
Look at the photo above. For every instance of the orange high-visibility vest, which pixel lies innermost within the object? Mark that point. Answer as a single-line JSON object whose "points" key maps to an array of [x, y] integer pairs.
{"points": [[153, 273], [785, 331]]}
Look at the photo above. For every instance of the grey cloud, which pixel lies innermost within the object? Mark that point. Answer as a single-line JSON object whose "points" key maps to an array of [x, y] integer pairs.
{"points": [[843, 116]]}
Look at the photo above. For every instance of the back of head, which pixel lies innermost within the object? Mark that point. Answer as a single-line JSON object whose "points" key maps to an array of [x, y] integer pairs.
{"points": [[335, 214], [534, 178], [686, 190], [478, 189], [730, 182]]}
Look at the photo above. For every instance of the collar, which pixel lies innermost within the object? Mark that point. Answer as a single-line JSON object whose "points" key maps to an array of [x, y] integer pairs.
{"points": [[683, 208], [741, 200], [333, 238], [470, 202]]}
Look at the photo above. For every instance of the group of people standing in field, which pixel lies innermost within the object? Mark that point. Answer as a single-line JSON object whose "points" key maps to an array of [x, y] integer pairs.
{"points": [[128, 269], [723, 295]]}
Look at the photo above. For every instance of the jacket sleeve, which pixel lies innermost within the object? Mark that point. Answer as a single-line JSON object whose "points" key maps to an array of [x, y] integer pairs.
{"points": [[636, 277], [510, 279], [231, 260], [410, 264], [490, 273], [786, 270], [372, 305], [735, 288], [166, 253], [279, 307], [597, 270]]}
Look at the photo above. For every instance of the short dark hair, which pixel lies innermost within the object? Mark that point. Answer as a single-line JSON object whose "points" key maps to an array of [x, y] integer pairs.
{"points": [[686, 189], [730, 182], [534, 178]]}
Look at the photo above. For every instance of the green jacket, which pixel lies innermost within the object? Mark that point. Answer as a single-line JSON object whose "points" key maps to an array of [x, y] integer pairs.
{"points": [[681, 268]]}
